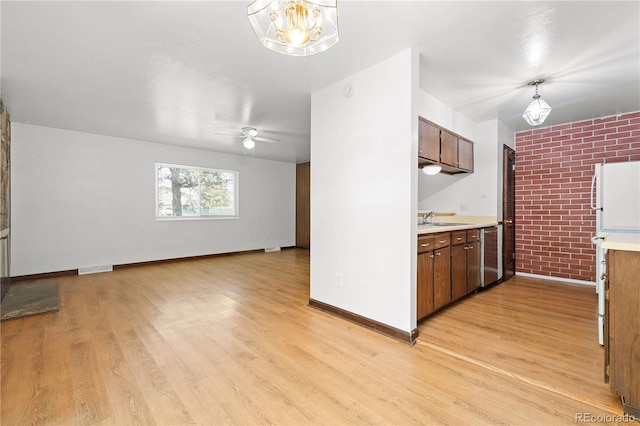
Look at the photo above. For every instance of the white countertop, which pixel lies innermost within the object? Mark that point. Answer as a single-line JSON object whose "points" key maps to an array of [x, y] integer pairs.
{"points": [[621, 241]]}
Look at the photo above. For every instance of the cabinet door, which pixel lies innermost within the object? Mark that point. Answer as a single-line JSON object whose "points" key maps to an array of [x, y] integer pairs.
{"points": [[458, 271], [473, 267], [425, 285], [448, 149], [624, 324], [428, 141], [465, 155], [442, 277]]}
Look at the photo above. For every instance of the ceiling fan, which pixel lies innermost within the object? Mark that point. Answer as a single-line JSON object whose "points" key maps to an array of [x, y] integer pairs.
{"points": [[249, 137]]}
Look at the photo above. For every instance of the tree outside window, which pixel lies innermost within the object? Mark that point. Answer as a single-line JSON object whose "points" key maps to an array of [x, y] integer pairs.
{"points": [[191, 192]]}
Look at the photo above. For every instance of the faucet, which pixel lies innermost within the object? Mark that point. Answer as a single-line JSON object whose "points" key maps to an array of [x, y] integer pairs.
{"points": [[426, 216]]}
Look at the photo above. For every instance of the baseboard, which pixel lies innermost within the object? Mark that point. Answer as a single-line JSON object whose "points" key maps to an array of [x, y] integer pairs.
{"points": [[547, 277], [394, 333], [56, 274], [44, 275], [632, 412], [5, 282], [183, 259]]}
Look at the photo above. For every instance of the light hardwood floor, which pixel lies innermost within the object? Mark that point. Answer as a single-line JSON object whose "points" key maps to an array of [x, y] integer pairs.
{"points": [[231, 340]]}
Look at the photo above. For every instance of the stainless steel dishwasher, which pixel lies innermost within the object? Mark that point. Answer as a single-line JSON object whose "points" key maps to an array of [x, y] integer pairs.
{"points": [[488, 256]]}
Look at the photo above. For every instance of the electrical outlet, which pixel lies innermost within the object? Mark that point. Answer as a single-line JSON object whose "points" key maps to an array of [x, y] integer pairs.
{"points": [[338, 280]]}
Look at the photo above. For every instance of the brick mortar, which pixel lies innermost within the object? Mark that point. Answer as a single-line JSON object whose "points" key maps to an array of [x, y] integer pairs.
{"points": [[554, 220]]}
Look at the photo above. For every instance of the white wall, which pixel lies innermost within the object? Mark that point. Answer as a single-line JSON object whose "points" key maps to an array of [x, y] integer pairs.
{"points": [[466, 193], [477, 193], [364, 193], [80, 200]]}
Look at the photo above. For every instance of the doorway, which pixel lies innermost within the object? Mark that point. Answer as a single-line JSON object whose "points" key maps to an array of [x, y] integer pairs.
{"points": [[508, 213]]}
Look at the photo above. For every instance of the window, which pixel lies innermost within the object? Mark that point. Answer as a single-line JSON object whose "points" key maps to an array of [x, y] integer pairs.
{"points": [[184, 192]]}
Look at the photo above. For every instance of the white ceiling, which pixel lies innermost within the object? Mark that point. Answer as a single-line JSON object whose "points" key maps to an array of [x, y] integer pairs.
{"points": [[176, 72]]}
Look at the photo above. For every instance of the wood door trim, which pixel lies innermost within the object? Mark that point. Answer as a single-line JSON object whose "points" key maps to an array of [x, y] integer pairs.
{"points": [[507, 151], [303, 205]]}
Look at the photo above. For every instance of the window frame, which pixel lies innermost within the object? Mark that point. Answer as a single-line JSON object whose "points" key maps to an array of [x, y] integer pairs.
{"points": [[236, 193]]}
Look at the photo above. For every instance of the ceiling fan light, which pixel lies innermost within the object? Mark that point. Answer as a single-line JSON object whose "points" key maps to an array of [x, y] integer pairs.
{"points": [[432, 169], [250, 132], [295, 27], [248, 143]]}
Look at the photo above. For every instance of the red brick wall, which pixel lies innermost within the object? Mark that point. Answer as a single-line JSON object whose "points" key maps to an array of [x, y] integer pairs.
{"points": [[554, 166]]}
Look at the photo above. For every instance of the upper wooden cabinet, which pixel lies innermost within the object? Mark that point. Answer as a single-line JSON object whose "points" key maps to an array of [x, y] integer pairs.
{"points": [[465, 155], [440, 146], [448, 149], [428, 141]]}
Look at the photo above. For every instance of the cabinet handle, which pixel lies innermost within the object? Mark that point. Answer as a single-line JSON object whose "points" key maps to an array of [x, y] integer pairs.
{"points": [[466, 247], [459, 238], [508, 221], [471, 247], [438, 254], [441, 241], [431, 256], [424, 245]]}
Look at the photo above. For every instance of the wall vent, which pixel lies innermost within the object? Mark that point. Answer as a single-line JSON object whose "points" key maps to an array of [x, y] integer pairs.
{"points": [[271, 249]]}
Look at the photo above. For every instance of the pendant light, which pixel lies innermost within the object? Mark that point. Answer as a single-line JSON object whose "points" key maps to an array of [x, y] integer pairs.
{"points": [[538, 109]]}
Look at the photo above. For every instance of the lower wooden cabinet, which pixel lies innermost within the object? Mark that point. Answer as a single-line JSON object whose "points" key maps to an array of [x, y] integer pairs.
{"points": [[459, 271], [465, 263], [622, 328], [448, 269], [425, 285], [473, 267], [442, 277], [434, 274]]}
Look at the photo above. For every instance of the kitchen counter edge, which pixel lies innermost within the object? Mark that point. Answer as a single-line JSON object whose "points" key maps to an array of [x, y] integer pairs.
{"points": [[622, 241], [430, 229]]}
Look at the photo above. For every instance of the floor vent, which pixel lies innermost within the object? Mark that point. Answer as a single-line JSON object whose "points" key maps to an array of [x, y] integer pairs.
{"points": [[271, 249], [94, 269]]}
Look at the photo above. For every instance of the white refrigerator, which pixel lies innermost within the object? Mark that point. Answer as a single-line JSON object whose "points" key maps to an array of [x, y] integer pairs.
{"points": [[615, 196]]}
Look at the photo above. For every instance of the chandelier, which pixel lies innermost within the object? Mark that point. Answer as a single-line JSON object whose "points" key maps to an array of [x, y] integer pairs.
{"points": [[295, 27], [538, 109]]}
